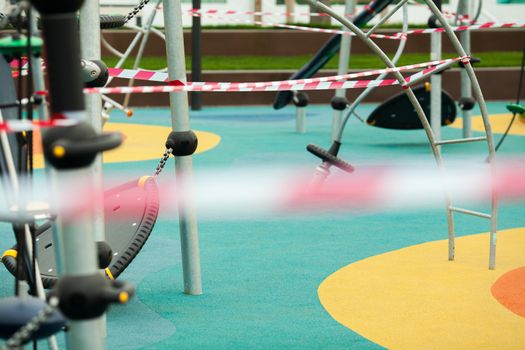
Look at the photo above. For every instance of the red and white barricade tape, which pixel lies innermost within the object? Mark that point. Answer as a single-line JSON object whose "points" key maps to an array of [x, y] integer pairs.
{"points": [[201, 12], [303, 28], [321, 83], [446, 14], [139, 74], [28, 125], [163, 77], [487, 25], [395, 36], [324, 83]]}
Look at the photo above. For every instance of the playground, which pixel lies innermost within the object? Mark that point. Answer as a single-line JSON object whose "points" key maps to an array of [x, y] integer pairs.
{"points": [[370, 207]]}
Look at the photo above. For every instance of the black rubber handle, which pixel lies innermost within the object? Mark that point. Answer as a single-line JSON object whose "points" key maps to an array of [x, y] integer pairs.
{"points": [[100, 143], [118, 292], [326, 156]]}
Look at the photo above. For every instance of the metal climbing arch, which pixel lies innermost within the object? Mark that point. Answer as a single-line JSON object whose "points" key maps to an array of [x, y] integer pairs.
{"points": [[435, 143]]}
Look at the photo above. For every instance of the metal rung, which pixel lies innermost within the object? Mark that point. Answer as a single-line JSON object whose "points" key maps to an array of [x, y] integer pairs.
{"points": [[470, 212], [465, 140]]}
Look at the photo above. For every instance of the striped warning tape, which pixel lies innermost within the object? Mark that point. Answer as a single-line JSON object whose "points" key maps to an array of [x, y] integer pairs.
{"points": [[28, 125], [487, 25], [197, 12], [303, 28], [25, 67], [163, 77], [446, 14], [202, 12], [395, 36], [139, 74], [324, 83]]}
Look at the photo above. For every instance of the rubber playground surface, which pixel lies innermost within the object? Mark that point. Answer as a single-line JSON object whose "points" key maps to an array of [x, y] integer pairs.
{"points": [[357, 280]]}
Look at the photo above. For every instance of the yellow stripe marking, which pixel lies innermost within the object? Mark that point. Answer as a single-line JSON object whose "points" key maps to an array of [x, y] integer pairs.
{"points": [[499, 123], [108, 273]]}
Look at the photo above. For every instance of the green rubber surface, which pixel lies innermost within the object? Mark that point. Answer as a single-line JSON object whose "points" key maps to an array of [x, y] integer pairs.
{"points": [[260, 276]]}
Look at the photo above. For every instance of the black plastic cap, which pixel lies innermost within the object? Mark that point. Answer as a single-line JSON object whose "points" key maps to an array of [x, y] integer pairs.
{"points": [[433, 22], [183, 143], [300, 99], [101, 79], [74, 147], [472, 61], [466, 103], [339, 103], [52, 137], [88, 296], [105, 254]]}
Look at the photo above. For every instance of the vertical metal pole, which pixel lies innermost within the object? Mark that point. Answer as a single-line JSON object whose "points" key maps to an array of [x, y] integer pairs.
{"points": [[478, 95], [435, 83], [142, 47], [38, 73], [290, 9], [183, 165], [300, 120], [62, 44], [196, 56], [257, 7], [466, 85], [344, 61], [90, 49], [89, 25]]}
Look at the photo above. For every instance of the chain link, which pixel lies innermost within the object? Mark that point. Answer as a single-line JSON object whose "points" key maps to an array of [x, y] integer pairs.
{"points": [[136, 10], [163, 161], [32, 326]]}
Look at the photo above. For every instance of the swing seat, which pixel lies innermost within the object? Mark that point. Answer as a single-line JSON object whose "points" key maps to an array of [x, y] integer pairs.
{"points": [[516, 108], [16, 312], [398, 113], [130, 212]]}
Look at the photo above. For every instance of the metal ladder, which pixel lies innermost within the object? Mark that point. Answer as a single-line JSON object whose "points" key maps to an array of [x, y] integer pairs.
{"points": [[435, 144]]}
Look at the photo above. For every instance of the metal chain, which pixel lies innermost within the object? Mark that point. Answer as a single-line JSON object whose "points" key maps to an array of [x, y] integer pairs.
{"points": [[32, 326], [136, 10], [163, 161]]}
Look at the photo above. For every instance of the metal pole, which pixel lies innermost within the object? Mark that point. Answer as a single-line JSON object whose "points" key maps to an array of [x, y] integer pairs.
{"points": [[196, 56], [89, 26], [75, 246], [257, 7], [466, 85], [183, 165], [90, 49], [300, 120], [344, 61], [290, 9], [147, 30], [435, 83], [478, 95]]}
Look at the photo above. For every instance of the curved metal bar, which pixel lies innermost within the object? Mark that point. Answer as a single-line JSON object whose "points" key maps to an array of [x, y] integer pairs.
{"points": [[367, 91], [476, 89], [110, 48], [411, 96]]}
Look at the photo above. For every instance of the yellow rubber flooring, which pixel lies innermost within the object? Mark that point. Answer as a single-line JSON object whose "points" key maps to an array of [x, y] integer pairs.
{"points": [[141, 142], [414, 298]]}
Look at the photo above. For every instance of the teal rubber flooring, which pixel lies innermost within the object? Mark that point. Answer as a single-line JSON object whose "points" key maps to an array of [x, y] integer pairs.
{"points": [[260, 275]]}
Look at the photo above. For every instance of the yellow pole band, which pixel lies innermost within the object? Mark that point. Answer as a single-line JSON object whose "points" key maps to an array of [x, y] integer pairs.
{"points": [[10, 252]]}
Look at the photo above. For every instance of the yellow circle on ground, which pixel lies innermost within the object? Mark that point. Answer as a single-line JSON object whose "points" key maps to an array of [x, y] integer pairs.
{"points": [[499, 123], [414, 298], [143, 142]]}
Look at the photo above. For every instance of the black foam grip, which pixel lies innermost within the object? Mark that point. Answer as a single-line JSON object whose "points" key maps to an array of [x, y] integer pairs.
{"points": [[326, 156], [112, 21]]}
